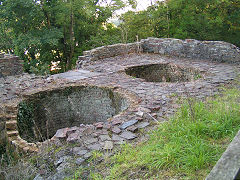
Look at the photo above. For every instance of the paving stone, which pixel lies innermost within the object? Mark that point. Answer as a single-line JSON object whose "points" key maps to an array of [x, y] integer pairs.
{"points": [[87, 155], [128, 123], [90, 140], [116, 130], [108, 145], [79, 161], [61, 133], [116, 122], [72, 130], [132, 128], [104, 137], [79, 151], [143, 124], [128, 135], [117, 138], [96, 146], [99, 125], [74, 137], [88, 130], [63, 159]]}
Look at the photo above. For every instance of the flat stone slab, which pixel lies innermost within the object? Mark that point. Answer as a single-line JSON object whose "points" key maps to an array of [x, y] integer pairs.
{"points": [[108, 145], [143, 124], [128, 135], [75, 75], [95, 147], [104, 137], [128, 123]]}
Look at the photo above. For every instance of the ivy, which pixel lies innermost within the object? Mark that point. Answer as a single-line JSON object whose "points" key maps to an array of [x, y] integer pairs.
{"points": [[25, 121]]}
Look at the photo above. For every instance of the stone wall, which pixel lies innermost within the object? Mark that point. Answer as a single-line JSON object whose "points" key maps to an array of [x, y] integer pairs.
{"points": [[211, 50], [108, 51], [10, 65], [193, 49], [48, 111]]}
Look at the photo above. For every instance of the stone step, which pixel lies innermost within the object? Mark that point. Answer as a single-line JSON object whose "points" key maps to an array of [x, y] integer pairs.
{"points": [[12, 133], [11, 117], [10, 109], [11, 125]]}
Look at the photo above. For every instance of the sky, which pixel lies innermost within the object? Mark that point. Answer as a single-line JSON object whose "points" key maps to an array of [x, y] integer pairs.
{"points": [[141, 5]]}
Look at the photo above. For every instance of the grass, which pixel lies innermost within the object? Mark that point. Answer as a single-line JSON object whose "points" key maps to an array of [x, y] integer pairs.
{"points": [[186, 147]]}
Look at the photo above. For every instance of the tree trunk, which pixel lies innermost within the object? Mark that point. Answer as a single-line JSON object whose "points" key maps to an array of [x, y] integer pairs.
{"points": [[71, 33]]}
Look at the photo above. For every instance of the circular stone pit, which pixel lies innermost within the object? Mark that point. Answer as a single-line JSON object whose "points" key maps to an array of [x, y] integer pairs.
{"points": [[166, 72], [43, 113]]}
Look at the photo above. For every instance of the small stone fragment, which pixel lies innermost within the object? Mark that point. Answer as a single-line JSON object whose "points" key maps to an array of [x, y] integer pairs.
{"points": [[72, 130], [143, 109], [128, 123], [140, 113], [154, 115], [99, 125], [38, 177], [139, 118], [128, 135], [143, 125], [154, 107], [108, 145], [116, 130]]}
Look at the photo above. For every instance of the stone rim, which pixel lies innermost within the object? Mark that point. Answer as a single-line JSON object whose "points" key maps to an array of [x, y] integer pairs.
{"points": [[11, 120]]}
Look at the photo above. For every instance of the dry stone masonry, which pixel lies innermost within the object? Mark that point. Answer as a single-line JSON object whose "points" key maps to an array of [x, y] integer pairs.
{"points": [[193, 49], [10, 65], [116, 91]]}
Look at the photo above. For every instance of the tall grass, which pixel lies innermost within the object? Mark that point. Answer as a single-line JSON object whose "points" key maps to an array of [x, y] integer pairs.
{"points": [[186, 147]]}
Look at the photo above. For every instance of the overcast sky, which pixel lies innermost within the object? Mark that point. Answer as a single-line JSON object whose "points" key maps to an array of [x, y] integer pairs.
{"points": [[141, 5]]}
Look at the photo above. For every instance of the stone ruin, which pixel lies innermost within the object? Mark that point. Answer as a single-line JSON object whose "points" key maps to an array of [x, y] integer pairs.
{"points": [[115, 91], [10, 65]]}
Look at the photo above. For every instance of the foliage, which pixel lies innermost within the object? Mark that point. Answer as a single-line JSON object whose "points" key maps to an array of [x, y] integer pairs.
{"points": [[45, 31], [136, 24], [105, 36], [186, 147], [51, 31], [25, 120], [185, 19]]}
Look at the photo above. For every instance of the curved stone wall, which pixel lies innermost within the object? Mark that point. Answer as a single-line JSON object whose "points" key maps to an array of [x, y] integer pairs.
{"points": [[211, 50], [193, 49], [42, 114]]}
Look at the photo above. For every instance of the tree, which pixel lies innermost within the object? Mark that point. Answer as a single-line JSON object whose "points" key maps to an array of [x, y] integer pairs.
{"points": [[45, 31], [136, 24]]}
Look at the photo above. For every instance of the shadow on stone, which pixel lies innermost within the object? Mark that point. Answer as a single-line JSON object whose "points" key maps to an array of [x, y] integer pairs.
{"points": [[163, 73], [42, 114]]}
